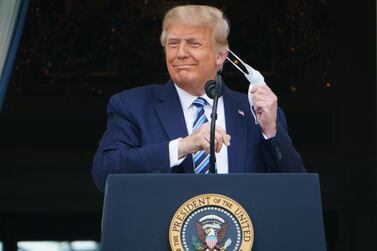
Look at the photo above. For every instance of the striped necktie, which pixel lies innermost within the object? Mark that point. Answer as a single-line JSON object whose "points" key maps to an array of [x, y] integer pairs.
{"points": [[201, 159]]}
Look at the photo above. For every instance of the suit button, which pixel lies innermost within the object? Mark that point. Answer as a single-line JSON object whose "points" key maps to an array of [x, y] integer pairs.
{"points": [[278, 153]]}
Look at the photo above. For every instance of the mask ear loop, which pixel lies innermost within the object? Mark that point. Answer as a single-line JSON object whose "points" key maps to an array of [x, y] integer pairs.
{"points": [[256, 121], [235, 65]]}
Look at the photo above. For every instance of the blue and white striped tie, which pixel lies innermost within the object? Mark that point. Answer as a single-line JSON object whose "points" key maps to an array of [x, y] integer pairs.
{"points": [[201, 159]]}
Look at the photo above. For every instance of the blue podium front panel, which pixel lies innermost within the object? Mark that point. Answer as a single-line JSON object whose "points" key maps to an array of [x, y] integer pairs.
{"points": [[285, 209]]}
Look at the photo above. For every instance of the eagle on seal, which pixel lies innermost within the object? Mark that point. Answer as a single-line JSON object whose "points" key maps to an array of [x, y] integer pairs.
{"points": [[211, 237]]}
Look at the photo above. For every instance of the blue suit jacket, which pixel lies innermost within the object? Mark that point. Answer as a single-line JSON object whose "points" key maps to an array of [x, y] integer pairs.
{"points": [[143, 120]]}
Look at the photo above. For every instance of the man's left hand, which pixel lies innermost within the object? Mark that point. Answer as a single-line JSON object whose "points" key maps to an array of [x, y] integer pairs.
{"points": [[265, 106]]}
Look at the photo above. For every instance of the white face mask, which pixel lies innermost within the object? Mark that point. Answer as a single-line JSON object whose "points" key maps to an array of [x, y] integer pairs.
{"points": [[253, 76]]}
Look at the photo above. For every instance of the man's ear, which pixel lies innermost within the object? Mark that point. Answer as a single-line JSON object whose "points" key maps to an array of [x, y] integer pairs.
{"points": [[221, 57]]}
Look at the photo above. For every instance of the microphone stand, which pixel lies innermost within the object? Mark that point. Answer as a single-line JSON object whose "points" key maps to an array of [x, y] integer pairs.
{"points": [[218, 93]]}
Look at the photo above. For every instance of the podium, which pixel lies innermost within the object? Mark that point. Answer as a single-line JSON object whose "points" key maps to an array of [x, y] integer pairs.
{"points": [[285, 210]]}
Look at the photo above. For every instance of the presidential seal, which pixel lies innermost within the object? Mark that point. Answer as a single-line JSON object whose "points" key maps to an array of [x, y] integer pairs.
{"points": [[211, 222]]}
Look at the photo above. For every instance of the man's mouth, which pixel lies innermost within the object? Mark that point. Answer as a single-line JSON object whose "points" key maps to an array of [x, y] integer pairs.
{"points": [[184, 66]]}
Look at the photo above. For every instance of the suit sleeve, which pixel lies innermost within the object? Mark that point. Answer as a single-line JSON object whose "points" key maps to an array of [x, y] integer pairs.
{"points": [[279, 153], [121, 151]]}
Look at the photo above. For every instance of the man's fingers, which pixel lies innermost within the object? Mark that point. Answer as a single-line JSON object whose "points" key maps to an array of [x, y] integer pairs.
{"points": [[206, 147], [203, 138], [200, 140], [225, 138], [259, 88], [204, 144], [263, 92], [218, 141]]}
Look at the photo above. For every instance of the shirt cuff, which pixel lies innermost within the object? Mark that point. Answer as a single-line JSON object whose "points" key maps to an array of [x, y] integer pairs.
{"points": [[173, 153], [265, 136]]}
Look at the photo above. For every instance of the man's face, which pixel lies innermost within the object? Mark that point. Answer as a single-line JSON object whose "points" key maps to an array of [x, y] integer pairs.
{"points": [[190, 56]]}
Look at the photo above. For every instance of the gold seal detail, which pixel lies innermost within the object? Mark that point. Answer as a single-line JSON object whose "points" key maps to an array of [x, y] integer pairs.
{"points": [[211, 222]]}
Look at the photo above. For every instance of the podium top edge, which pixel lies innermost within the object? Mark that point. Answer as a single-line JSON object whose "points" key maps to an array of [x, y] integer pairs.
{"points": [[212, 175]]}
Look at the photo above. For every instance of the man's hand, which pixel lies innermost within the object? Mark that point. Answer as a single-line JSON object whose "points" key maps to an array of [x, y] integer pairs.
{"points": [[265, 106], [200, 138]]}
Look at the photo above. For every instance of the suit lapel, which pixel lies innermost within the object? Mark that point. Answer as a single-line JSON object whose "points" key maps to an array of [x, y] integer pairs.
{"points": [[236, 119], [169, 110]]}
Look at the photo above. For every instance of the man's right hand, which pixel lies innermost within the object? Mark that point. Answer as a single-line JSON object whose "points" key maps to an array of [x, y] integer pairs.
{"points": [[200, 138]]}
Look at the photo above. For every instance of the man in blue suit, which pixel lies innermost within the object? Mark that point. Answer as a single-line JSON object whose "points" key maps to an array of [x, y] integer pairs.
{"points": [[164, 128]]}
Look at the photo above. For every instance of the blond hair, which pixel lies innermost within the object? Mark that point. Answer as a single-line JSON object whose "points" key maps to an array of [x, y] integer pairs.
{"points": [[198, 15]]}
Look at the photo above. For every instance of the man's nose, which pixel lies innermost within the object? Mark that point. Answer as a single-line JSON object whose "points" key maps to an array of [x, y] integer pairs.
{"points": [[182, 51]]}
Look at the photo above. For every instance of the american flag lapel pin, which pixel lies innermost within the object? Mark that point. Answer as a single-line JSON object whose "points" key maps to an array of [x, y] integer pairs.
{"points": [[240, 112]]}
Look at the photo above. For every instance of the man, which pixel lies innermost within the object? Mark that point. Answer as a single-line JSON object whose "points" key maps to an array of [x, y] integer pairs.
{"points": [[164, 128]]}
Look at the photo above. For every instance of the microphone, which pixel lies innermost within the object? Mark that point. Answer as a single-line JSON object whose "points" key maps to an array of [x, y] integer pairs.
{"points": [[214, 91], [212, 86]]}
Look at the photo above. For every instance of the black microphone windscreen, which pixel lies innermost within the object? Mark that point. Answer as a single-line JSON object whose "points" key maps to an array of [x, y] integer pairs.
{"points": [[210, 88]]}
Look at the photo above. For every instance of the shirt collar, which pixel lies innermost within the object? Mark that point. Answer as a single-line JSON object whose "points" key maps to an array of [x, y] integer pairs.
{"points": [[187, 98]]}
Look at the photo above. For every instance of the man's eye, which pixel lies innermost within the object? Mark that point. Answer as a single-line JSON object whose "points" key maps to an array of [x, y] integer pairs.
{"points": [[172, 43]]}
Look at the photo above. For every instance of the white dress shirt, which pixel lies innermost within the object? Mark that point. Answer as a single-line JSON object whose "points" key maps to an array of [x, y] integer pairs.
{"points": [[189, 112]]}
